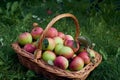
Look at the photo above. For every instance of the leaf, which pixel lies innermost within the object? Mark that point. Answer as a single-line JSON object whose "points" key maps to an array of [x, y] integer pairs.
{"points": [[30, 73], [8, 6], [1, 11], [118, 53], [2, 59], [85, 41], [50, 62], [45, 43], [104, 54], [90, 55], [27, 17], [1, 63], [14, 7]]}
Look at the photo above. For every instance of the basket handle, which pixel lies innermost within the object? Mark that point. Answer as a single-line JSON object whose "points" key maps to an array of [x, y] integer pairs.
{"points": [[54, 20]]}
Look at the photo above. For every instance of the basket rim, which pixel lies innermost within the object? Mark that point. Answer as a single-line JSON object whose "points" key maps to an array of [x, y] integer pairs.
{"points": [[55, 70]]}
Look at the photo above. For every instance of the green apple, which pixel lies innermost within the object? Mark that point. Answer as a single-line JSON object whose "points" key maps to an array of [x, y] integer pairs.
{"points": [[58, 40], [48, 44], [57, 48], [48, 56], [25, 38], [66, 52]]}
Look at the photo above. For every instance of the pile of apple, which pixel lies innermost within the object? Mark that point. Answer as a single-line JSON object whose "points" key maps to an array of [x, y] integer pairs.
{"points": [[58, 49]]}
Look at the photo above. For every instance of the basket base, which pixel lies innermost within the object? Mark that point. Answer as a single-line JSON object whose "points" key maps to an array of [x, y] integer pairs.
{"points": [[43, 73], [52, 72]]}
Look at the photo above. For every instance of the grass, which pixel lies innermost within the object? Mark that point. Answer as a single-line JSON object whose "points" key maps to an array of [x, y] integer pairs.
{"points": [[101, 27]]}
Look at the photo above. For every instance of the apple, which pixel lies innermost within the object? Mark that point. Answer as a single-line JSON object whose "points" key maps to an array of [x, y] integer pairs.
{"points": [[76, 64], [49, 12], [36, 32], [61, 62], [66, 52], [24, 38], [52, 32], [58, 40], [73, 44], [35, 24], [85, 56], [74, 56], [48, 56], [62, 35], [35, 43], [57, 48], [48, 44], [29, 48], [68, 37]]}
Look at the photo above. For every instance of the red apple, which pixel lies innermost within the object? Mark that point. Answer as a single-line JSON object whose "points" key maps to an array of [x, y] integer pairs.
{"points": [[36, 32], [49, 12], [52, 32], [35, 43], [62, 35], [61, 62], [74, 56], [48, 56], [58, 40], [85, 56], [73, 44], [29, 48], [24, 38], [48, 44], [76, 64], [57, 48], [68, 37], [66, 52]]}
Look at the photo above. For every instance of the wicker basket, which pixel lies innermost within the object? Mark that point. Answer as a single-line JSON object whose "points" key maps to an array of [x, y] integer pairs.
{"points": [[52, 72]]}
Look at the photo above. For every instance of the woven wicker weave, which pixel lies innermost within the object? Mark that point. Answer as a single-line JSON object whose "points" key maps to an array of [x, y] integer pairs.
{"points": [[52, 72]]}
